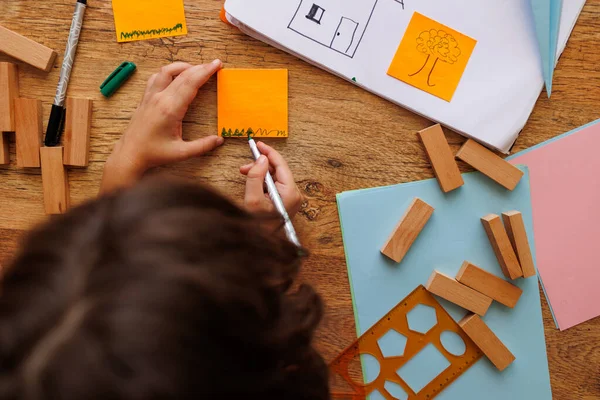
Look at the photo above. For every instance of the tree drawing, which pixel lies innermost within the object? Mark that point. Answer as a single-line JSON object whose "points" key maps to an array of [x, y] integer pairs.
{"points": [[439, 46]]}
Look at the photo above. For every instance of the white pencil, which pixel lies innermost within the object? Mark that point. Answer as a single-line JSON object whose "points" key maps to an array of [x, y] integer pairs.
{"points": [[290, 232]]}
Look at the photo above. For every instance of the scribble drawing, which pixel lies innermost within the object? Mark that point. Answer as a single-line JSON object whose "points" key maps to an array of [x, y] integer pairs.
{"points": [[159, 31], [260, 132], [439, 46], [340, 31]]}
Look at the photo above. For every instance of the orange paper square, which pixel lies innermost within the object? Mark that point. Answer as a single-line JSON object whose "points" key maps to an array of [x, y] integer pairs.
{"points": [[253, 101], [432, 57]]}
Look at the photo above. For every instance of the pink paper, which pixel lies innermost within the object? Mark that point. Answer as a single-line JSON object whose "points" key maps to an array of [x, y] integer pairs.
{"points": [[565, 192]]}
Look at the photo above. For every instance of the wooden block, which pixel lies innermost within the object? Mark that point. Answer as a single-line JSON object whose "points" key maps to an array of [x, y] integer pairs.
{"points": [[77, 132], [490, 164], [513, 220], [502, 247], [26, 50], [443, 162], [9, 90], [489, 284], [4, 151], [449, 289], [54, 180], [28, 132], [487, 341], [411, 224]]}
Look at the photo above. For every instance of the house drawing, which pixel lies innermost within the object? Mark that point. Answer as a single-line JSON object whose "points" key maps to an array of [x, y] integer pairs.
{"points": [[333, 25]]}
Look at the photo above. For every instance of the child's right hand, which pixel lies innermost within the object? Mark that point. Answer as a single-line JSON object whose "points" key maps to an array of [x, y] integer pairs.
{"points": [[257, 200]]}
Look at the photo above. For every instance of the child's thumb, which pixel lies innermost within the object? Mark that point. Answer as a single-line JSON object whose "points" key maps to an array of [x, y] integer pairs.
{"points": [[196, 148]]}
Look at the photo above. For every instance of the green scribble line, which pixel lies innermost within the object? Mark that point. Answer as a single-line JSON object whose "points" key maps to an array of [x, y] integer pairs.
{"points": [[153, 32], [260, 132]]}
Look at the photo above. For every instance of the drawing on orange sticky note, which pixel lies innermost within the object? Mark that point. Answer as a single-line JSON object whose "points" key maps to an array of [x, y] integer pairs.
{"points": [[439, 44], [432, 57], [253, 102], [148, 19]]}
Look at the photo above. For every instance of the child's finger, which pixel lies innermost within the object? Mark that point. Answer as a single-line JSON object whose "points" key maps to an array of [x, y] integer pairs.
{"points": [[283, 173], [255, 194], [160, 81], [185, 87], [196, 148], [245, 168]]}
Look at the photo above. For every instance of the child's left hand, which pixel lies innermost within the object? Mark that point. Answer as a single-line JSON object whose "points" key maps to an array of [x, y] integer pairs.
{"points": [[154, 136]]}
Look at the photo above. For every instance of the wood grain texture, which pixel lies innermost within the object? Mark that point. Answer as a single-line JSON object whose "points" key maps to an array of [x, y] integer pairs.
{"points": [[515, 228], [507, 258], [405, 233], [55, 181], [9, 90], [26, 50], [449, 289], [487, 341], [442, 161], [78, 127], [28, 132], [490, 164], [341, 138], [489, 284]]}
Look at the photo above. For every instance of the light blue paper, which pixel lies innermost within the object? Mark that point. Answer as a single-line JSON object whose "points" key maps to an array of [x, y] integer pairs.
{"points": [[453, 234], [546, 14]]}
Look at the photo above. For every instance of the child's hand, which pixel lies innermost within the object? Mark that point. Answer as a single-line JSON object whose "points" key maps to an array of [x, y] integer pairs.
{"points": [[257, 199], [154, 135]]}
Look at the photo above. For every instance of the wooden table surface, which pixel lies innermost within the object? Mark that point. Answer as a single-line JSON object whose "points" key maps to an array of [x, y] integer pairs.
{"points": [[342, 138]]}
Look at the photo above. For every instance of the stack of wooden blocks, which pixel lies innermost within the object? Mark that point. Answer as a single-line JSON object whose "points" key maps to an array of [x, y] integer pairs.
{"points": [[24, 118], [473, 289]]}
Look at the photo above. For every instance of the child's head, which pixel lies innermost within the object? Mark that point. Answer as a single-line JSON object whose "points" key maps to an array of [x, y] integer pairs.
{"points": [[162, 291]]}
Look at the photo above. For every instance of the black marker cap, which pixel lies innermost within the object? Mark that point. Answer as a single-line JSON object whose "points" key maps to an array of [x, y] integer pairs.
{"points": [[56, 125]]}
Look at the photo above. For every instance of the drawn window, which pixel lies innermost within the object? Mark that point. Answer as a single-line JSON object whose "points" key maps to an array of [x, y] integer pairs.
{"points": [[315, 14]]}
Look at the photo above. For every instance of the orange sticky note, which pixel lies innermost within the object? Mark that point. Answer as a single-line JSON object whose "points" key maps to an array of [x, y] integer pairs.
{"points": [[253, 101], [148, 19], [432, 57], [223, 16]]}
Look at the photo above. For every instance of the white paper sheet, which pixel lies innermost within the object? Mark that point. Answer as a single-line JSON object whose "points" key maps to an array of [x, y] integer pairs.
{"points": [[500, 85]]}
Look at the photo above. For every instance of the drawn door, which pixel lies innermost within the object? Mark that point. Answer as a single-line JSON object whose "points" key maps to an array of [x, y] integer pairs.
{"points": [[344, 35]]}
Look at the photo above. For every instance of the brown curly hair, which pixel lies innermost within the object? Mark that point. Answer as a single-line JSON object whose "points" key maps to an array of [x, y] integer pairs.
{"points": [[166, 290]]}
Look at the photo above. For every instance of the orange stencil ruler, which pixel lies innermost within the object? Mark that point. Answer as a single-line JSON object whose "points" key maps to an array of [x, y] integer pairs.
{"points": [[398, 323]]}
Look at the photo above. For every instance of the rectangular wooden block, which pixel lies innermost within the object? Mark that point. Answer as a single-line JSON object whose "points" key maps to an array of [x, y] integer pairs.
{"points": [[4, 150], [54, 180], [443, 162], [513, 221], [487, 341], [489, 284], [490, 164], [407, 230], [9, 90], [26, 50], [502, 247], [28, 132], [77, 132], [449, 289]]}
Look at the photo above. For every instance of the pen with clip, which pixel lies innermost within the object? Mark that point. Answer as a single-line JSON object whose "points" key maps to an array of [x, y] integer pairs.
{"points": [[290, 232], [57, 114]]}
